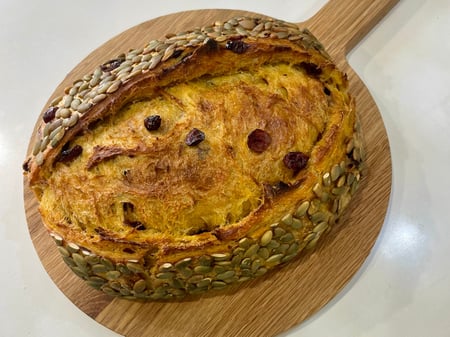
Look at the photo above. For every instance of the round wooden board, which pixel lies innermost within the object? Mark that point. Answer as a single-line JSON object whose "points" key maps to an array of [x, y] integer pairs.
{"points": [[284, 298]]}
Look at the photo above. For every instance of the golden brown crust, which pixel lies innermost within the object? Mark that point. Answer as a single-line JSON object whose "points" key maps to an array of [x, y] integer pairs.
{"points": [[135, 210]]}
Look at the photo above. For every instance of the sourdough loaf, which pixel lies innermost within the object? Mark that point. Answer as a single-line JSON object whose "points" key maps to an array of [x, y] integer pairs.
{"points": [[198, 161]]}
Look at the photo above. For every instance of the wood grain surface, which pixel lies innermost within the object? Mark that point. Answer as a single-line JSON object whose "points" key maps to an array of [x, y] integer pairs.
{"points": [[281, 299]]}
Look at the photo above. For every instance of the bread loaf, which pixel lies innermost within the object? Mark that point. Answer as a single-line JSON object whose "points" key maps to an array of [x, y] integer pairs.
{"points": [[199, 161]]}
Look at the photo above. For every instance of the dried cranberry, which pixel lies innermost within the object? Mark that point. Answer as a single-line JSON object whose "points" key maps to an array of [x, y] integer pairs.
{"points": [[111, 65], [136, 225], [295, 161], [280, 187], [311, 69], [26, 165], [237, 46], [194, 137], [258, 140], [152, 122], [49, 114], [128, 207], [69, 155], [177, 52], [211, 45]]}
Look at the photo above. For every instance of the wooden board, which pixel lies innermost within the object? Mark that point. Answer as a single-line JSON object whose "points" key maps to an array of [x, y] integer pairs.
{"points": [[280, 300]]}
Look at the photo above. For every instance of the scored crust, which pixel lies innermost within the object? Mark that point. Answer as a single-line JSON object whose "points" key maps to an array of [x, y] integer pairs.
{"points": [[150, 213]]}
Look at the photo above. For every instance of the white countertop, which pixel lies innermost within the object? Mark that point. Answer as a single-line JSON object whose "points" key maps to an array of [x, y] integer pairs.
{"points": [[403, 289]]}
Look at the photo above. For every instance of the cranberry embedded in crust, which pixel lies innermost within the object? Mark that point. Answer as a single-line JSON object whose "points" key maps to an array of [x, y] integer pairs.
{"points": [[258, 140], [49, 114], [295, 161], [194, 137], [152, 123]]}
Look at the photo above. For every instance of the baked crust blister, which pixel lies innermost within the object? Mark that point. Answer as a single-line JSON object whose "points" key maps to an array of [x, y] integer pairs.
{"points": [[199, 161]]}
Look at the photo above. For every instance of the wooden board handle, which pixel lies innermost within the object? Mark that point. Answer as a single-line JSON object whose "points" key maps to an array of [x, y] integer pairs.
{"points": [[348, 21]]}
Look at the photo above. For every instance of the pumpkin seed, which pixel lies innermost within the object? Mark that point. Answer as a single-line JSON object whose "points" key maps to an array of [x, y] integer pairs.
{"points": [[288, 258], [80, 272], [319, 228], [79, 260], [183, 263], [67, 101], [286, 238], [340, 190], [247, 273], [236, 260], [282, 248], [278, 232], [135, 267], [263, 253], [341, 181], [124, 292], [72, 247], [266, 238], [301, 210], [218, 284], [165, 275], [206, 282], [311, 244], [114, 86], [219, 269], [185, 272], [69, 261], [274, 259], [244, 278], [251, 251], [318, 217], [287, 219], [99, 269], [92, 259], [225, 275], [112, 275], [317, 189], [245, 243], [205, 260], [63, 251], [246, 263], [238, 251], [166, 267], [224, 263], [83, 107], [247, 24], [242, 31], [58, 240], [39, 159], [261, 271], [256, 264], [202, 269], [96, 280], [98, 98], [139, 286], [273, 244], [108, 264], [177, 283], [155, 61], [37, 147], [220, 256], [336, 172], [293, 248], [296, 223]]}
